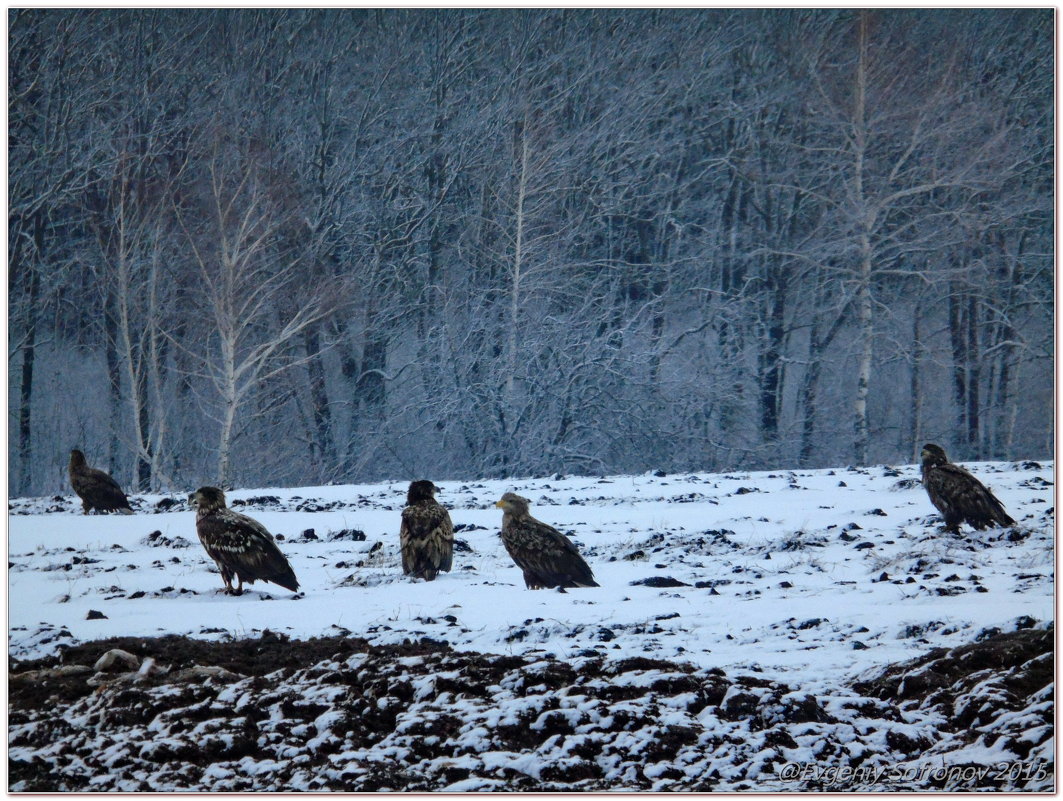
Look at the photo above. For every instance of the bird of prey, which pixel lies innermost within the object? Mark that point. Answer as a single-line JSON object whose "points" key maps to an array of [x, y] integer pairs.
{"points": [[96, 488], [959, 496], [426, 535], [547, 557], [239, 545]]}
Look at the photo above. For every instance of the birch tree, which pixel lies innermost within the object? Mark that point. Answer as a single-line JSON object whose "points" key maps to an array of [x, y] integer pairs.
{"points": [[256, 301], [592, 240], [901, 142]]}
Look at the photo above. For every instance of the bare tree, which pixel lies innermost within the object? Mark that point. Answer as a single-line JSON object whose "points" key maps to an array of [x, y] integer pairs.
{"points": [[257, 304], [54, 92], [584, 240], [900, 133]]}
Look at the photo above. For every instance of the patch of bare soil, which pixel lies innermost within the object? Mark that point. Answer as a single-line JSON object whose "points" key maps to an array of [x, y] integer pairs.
{"points": [[270, 714], [248, 657]]}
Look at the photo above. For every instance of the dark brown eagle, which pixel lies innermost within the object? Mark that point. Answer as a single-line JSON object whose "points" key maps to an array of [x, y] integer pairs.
{"points": [[426, 535], [547, 557], [239, 546], [958, 495], [96, 488]]}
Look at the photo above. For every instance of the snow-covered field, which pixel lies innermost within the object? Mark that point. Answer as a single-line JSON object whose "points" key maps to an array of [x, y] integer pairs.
{"points": [[807, 578], [800, 574]]}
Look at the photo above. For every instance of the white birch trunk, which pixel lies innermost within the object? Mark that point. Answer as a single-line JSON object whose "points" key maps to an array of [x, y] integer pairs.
{"points": [[864, 308], [514, 292]]}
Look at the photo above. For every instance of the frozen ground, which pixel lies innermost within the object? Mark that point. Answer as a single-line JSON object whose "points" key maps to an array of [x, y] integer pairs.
{"points": [[803, 581]]}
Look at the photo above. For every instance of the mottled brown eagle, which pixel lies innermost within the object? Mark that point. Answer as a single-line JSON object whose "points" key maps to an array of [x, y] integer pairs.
{"points": [[958, 495], [239, 546], [547, 557], [96, 488], [426, 535]]}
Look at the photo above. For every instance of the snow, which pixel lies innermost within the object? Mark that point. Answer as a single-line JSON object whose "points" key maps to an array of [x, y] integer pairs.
{"points": [[776, 590], [805, 576]]}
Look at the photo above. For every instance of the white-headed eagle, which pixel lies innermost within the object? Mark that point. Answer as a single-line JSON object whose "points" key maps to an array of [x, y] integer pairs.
{"points": [[958, 495], [96, 488], [239, 546], [426, 535], [547, 557]]}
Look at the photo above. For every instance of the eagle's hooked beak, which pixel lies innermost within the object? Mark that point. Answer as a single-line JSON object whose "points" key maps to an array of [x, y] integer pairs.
{"points": [[500, 504]]}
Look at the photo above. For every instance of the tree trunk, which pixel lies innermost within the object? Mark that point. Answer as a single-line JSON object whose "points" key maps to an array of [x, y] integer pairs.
{"points": [[350, 369], [817, 347], [771, 356], [508, 409], [225, 444], [25, 403], [958, 339], [230, 403], [915, 413], [864, 308], [973, 379], [865, 321], [145, 458], [1011, 274], [371, 388], [135, 373], [809, 394], [114, 377], [158, 352], [320, 410]]}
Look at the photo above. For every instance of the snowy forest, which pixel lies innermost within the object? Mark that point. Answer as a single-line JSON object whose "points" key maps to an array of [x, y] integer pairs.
{"points": [[289, 247]]}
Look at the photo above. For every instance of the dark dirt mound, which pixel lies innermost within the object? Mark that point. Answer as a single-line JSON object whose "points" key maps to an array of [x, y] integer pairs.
{"points": [[996, 692], [924, 678], [248, 657], [335, 714]]}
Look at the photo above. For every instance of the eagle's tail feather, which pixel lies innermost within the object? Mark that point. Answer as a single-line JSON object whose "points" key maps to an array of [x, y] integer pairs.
{"points": [[286, 580], [581, 582]]}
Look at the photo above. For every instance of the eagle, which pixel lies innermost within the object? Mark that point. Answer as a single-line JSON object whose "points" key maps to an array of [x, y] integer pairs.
{"points": [[547, 557], [958, 495], [96, 488], [426, 535], [239, 546]]}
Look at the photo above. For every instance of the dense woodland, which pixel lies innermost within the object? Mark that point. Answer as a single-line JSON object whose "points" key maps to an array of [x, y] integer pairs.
{"points": [[289, 247]]}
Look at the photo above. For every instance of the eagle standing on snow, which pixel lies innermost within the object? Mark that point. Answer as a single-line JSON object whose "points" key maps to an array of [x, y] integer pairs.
{"points": [[547, 557], [426, 535], [958, 495], [96, 488], [239, 546]]}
